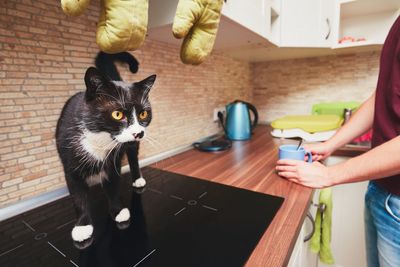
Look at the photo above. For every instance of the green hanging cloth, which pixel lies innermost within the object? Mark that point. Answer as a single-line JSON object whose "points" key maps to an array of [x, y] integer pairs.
{"points": [[321, 239]]}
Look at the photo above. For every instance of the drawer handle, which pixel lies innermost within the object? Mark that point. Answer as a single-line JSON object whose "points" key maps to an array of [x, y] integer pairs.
{"points": [[308, 237], [329, 29]]}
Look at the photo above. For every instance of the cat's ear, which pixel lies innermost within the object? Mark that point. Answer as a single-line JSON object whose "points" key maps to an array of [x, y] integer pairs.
{"points": [[93, 80], [146, 84]]}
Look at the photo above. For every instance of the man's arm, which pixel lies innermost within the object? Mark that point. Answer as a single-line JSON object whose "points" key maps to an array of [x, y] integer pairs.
{"points": [[380, 162], [358, 124]]}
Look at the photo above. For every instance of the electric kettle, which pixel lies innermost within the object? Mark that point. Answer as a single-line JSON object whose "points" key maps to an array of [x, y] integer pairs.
{"points": [[238, 125]]}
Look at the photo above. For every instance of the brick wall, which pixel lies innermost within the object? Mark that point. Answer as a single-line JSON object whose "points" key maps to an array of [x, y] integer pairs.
{"points": [[292, 86], [43, 57]]}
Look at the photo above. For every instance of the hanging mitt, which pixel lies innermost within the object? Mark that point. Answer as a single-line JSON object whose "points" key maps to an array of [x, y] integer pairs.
{"points": [[122, 25], [197, 22]]}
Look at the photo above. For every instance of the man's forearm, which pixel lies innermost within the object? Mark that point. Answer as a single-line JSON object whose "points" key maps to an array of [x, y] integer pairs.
{"points": [[380, 162], [358, 124]]}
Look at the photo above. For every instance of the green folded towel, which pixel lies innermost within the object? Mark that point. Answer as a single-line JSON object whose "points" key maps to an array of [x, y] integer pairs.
{"points": [[321, 239]]}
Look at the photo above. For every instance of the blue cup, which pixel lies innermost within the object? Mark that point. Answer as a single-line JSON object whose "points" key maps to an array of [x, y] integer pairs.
{"points": [[291, 152]]}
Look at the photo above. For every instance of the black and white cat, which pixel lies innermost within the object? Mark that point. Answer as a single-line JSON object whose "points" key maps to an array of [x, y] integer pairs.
{"points": [[95, 129]]}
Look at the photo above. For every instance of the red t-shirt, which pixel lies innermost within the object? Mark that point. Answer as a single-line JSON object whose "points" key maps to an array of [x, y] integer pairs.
{"points": [[387, 101]]}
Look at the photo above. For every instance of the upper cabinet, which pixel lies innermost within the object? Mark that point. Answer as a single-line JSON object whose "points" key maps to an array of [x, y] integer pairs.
{"points": [[306, 23], [249, 14], [336, 23], [261, 30], [243, 23], [363, 22]]}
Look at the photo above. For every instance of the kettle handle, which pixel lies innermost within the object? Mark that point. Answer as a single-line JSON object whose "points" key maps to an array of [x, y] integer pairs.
{"points": [[255, 113]]}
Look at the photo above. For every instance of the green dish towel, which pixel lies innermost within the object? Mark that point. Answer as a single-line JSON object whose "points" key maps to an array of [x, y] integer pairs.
{"points": [[321, 239]]}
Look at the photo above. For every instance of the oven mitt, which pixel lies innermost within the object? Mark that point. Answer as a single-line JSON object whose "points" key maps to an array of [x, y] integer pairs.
{"points": [[122, 24], [321, 239], [197, 22]]}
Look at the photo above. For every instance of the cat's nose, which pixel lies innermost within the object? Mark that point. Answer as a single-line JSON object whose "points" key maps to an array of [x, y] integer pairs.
{"points": [[139, 135]]}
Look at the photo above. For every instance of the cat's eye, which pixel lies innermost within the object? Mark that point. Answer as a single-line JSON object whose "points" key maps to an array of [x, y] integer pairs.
{"points": [[143, 115], [117, 115]]}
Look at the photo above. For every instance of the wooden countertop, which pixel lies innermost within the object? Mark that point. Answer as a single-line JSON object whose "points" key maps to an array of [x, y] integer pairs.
{"points": [[251, 165]]}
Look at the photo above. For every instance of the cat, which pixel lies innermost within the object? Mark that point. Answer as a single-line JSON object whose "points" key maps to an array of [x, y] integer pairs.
{"points": [[95, 129]]}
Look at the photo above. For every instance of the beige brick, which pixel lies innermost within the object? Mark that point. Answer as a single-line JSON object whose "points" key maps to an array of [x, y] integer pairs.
{"points": [[36, 175], [3, 198], [44, 185], [21, 192], [30, 139], [6, 190], [11, 182], [26, 159], [29, 183], [13, 155]]}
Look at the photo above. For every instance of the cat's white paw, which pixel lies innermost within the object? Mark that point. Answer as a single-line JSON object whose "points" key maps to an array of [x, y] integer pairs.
{"points": [[82, 232], [123, 215], [140, 182]]}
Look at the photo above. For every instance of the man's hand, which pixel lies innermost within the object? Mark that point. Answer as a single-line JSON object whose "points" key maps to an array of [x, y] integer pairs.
{"points": [[319, 151], [313, 175]]}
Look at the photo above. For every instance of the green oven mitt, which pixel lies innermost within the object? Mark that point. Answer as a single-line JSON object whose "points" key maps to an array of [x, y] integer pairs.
{"points": [[197, 22], [321, 239]]}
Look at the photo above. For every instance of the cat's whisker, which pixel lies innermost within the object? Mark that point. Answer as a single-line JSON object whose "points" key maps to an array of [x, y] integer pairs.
{"points": [[150, 142], [154, 140]]}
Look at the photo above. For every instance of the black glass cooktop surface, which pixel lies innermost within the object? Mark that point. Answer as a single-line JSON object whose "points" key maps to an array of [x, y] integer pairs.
{"points": [[176, 220]]}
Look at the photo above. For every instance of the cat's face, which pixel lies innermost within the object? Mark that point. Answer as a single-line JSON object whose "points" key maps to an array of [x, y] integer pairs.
{"points": [[120, 109]]}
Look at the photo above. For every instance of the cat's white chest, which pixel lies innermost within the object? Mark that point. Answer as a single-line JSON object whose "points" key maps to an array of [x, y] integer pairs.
{"points": [[96, 178], [97, 144]]}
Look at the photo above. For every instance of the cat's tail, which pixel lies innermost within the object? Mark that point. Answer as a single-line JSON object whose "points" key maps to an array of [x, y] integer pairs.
{"points": [[106, 64]]}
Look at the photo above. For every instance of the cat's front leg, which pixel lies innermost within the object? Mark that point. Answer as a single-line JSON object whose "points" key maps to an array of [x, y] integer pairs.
{"points": [[83, 229], [137, 179], [113, 188]]}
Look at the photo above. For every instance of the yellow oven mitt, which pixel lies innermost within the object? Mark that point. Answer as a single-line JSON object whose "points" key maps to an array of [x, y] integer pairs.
{"points": [[197, 22], [122, 25]]}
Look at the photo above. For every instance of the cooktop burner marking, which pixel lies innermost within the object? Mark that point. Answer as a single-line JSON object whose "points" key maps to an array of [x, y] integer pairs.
{"points": [[10, 250], [40, 236], [154, 190], [56, 248], [71, 261], [176, 197], [144, 258], [208, 207], [180, 211], [202, 195], [192, 202], [27, 225], [64, 224]]}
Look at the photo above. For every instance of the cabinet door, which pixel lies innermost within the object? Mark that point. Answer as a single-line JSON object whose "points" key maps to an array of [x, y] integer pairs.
{"points": [[305, 23], [327, 23], [249, 14], [301, 255]]}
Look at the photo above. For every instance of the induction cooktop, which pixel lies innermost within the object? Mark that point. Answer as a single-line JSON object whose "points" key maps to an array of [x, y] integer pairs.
{"points": [[176, 221]]}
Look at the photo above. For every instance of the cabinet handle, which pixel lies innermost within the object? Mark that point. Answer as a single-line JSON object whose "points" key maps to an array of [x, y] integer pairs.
{"points": [[329, 29], [308, 237]]}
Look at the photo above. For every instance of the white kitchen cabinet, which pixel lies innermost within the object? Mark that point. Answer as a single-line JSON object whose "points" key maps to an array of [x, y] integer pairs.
{"points": [[272, 10], [242, 24], [249, 14], [348, 239], [301, 255], [306, 23], [365, 20]]}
